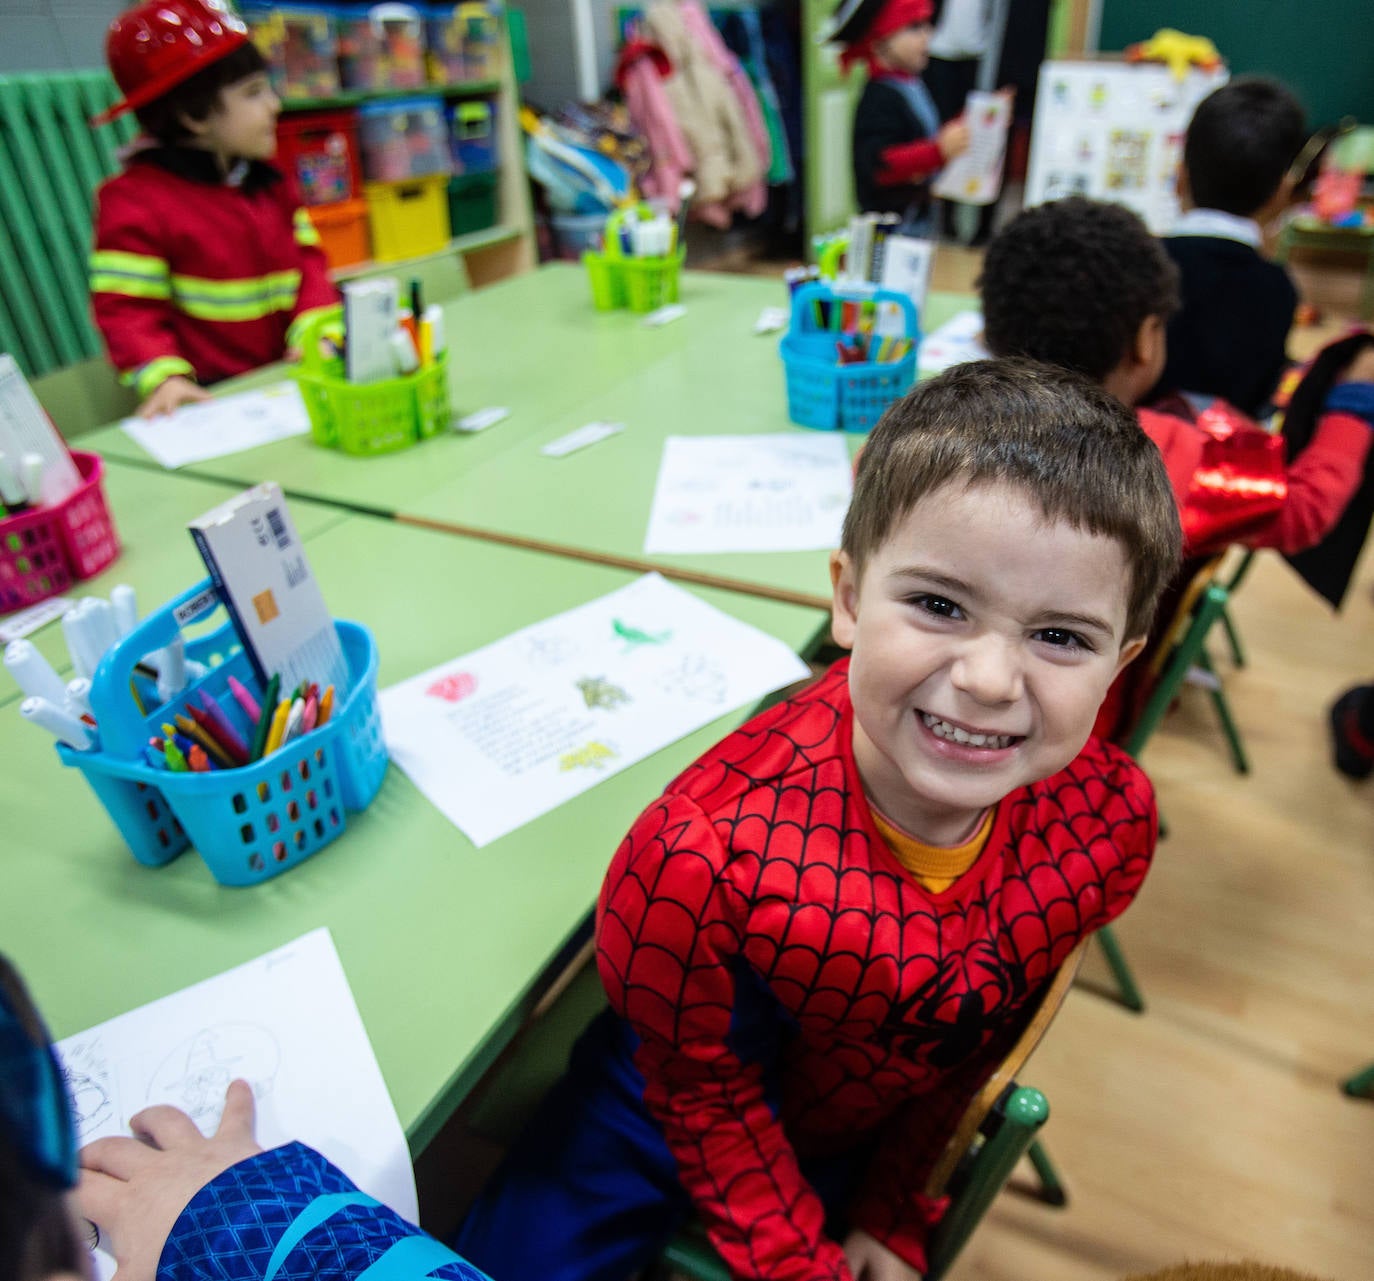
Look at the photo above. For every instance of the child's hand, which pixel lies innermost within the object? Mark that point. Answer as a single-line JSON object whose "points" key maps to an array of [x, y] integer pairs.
{"points": [[171, 394], [870, 1260], [953, 139], [1359, 370], [133, 1189], [292, 356]]}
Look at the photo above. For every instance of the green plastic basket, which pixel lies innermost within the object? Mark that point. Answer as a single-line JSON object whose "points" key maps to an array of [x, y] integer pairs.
{"points": [[641, 284], [368, 418]]}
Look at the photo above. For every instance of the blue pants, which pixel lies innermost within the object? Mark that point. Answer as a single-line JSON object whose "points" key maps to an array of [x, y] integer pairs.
{"points": [[590, 1191]]}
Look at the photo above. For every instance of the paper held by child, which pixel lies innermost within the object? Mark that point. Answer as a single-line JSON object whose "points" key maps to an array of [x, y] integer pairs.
{"points": [[497, 737], [975, 176], [287, 1024], [225, 425], [784, 491]]}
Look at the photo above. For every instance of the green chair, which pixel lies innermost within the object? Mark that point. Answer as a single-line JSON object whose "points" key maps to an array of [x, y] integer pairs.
{"points": [[1361, 1085], [997, 1130], [1181, 648], [84, 396]]}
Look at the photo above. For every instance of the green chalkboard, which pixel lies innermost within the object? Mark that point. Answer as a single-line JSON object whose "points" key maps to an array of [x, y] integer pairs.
{"points": [[1320, 48]]}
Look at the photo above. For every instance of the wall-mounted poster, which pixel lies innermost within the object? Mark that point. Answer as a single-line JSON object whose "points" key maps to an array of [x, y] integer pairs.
{"points": [[1113, 131]]}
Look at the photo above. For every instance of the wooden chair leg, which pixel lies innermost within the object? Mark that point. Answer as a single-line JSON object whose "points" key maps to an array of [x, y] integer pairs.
{"points": [[1361, 1085], [1116, 960]]}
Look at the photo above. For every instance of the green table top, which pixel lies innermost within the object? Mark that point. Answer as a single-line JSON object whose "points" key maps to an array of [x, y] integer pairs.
{"points": [[446, 947], [158, 558], [535, 344]]}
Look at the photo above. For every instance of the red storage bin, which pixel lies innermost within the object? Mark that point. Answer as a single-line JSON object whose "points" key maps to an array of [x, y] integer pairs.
{"points": [[43, 551], [320, 150]]}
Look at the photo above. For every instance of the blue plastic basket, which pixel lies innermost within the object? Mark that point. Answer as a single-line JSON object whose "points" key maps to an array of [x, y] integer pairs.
{"points": [[824, 394], [249, 823]]}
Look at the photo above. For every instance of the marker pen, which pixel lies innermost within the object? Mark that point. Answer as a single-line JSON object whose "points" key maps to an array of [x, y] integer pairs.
{"points": [[125, 605], [57, 721], [33, 673], [171, 670]]}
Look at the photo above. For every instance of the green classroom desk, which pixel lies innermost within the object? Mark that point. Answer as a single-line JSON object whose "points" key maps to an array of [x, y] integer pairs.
{"points": [[446, 947], [158, 558], [535, 344]]}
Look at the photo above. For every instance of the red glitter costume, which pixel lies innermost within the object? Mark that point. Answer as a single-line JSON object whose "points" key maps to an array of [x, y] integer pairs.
{"points": [[796, 993]]}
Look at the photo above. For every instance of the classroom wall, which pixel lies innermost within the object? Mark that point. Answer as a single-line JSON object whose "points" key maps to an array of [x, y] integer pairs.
{"points": [[1320, 48], [55, 35]]}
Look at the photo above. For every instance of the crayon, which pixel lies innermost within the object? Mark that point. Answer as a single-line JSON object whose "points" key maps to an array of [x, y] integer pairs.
{"points": [[274, 735], [245, 700], [264, 725]]}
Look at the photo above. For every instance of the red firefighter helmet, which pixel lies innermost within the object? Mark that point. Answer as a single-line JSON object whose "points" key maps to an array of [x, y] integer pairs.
{"points": [[157, 44]]}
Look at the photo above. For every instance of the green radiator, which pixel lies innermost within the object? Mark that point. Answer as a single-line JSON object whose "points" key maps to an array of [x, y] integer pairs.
{"points": [[51, 162]]}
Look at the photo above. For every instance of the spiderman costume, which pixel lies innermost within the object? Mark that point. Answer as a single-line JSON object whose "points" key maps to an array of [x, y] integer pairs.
{"points": [[797, 1026]]}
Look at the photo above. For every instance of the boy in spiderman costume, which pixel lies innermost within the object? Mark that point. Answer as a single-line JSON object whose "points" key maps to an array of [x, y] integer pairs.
{"points": [[823, 937]]}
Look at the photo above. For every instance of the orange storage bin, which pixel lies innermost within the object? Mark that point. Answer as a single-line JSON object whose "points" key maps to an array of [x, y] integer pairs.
{"points": [[344, 233]]}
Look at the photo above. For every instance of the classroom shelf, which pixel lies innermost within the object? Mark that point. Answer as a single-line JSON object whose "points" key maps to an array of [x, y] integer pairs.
{"points": [[352, 97]]}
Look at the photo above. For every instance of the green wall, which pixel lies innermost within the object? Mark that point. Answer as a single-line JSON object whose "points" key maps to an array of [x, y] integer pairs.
{"points": [[1322, 49]]}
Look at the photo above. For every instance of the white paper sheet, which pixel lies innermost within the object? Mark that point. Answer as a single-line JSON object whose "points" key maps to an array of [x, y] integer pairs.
{"points": [[975, 176], [958, 340], [780, 492], [225, 425], [287, 1024], [506, 733]]}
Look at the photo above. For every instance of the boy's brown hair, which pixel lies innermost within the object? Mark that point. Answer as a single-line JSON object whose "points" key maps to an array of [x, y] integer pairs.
{"points": [[1075, 450]]}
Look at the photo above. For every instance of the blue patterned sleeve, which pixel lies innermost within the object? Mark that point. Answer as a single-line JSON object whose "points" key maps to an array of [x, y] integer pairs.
{"points": [[289, 1215]]}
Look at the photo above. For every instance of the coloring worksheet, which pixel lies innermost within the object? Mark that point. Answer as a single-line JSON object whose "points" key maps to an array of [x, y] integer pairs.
{"points": [[506, 733], [785, 491], [1113, 131], [225, 425], [287, 1024]]}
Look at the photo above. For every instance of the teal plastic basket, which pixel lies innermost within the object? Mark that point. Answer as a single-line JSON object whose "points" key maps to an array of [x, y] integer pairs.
{"points": [[249, 823], [827, 395]]}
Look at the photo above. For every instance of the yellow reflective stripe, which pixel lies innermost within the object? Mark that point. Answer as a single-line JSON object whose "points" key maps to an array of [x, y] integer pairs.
{"points": [[305, 229], [129, 286], [115, 262], [246, 299], [147, 378]]}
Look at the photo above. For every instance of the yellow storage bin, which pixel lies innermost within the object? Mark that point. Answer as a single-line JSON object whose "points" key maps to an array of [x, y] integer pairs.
{"points": [[408, 218]]}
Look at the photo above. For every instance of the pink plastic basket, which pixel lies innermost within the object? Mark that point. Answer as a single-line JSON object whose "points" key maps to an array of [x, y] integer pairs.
{"points": [[43, 551]]}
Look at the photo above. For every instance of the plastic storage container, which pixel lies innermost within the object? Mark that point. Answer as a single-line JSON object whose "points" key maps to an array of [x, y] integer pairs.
{"points": [[471, 202], [300, 45], [320, 150], [345, 235], [403, 139], [368, 418], [576, 234], [382, 47], [472, 136], [44, 550], [408, 219], [248, 823], [825, 394], [620, 280], [481, 27], [444, 61]]}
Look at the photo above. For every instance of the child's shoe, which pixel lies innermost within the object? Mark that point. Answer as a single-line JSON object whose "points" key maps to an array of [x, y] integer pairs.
{"points": [[1352, 749]]}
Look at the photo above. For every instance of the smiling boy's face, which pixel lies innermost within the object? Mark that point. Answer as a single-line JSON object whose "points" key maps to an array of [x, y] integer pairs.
{"points": [[984, 640]]}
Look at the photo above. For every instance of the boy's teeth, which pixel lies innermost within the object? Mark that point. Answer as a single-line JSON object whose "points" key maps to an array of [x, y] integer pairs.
{"points": [[943, 729]]}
